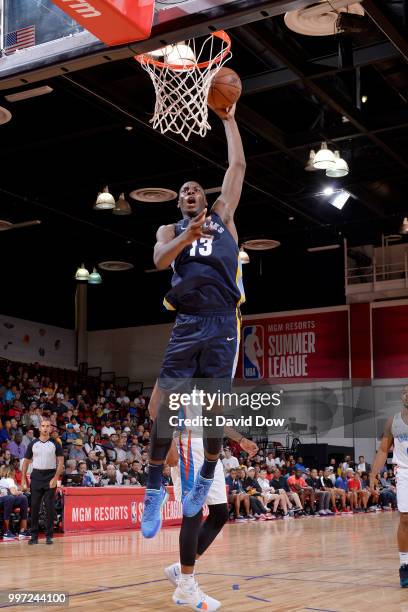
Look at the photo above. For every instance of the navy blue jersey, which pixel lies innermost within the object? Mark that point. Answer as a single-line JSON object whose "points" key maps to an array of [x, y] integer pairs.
{"points": [[207, 274]]}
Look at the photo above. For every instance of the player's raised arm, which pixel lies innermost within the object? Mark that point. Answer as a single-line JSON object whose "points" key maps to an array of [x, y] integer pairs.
{"points": [[168, 246], [382, 453], [228, 201]]}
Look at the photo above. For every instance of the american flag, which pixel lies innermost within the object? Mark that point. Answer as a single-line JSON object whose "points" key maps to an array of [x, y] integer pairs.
{"points": [[20, 39]]}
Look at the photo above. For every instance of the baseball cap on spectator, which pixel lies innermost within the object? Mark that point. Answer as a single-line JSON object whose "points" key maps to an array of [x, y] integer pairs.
{"points": [[78, 442], [251, 469], [70, 426], [127, 429]]}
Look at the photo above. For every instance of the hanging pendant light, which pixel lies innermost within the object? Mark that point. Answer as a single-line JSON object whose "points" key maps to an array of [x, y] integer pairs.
{"points": [[105, 200], [340, 168], [309, 166], [324, 159], [82, 273], [122, 206], [404, 226], [243, 256], [95, 278]]}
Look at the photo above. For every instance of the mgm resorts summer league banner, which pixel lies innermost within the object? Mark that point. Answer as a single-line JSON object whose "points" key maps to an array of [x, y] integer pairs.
{"points": [[311, 345]]}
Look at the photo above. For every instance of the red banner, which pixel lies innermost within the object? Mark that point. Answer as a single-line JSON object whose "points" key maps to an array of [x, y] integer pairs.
{"points": [[311, 345], [390, 341], [109, 508]]}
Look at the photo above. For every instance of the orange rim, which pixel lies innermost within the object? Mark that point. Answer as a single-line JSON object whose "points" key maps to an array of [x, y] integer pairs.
{"points": [[145, 58]]}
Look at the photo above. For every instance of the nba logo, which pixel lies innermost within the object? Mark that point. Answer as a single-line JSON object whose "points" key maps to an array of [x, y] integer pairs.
{"points": [[253, 342], [133, 512]]}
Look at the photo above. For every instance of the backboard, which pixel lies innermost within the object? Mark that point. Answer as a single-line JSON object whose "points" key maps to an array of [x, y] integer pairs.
{"points": [[50, 43]]}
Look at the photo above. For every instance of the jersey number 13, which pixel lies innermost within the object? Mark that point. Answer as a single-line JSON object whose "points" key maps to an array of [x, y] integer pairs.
{"points": [[204, 247]]}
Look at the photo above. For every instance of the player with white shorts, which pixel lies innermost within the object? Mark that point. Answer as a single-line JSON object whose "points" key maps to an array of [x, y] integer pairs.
{"points": [[396, 434]]}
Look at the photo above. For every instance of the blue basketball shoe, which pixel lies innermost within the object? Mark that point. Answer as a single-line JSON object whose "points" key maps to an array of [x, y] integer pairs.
{"points": [[194, 500], [403, 572], [151, 520]]}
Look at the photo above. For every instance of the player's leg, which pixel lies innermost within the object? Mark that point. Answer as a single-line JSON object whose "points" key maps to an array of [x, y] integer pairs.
{"points": [[179, 365], [402, 535], [216, 366]]}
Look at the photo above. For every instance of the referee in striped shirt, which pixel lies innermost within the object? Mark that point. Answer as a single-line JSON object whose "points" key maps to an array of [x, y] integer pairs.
{"points": [[48, 465]]}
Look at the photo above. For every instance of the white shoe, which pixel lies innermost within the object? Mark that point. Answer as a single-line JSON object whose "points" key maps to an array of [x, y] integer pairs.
{"points": [[172, 573], [188, 593]]}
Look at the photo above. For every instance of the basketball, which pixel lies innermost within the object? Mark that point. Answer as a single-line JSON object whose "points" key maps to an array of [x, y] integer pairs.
{"points": [[225, 89]]}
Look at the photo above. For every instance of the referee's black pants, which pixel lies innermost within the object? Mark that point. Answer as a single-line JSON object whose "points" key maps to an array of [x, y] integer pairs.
{"points": [[40, 489]]}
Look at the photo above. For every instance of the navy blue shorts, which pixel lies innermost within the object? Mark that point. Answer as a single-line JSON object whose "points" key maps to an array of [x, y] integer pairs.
{"points": [[201, 346]]}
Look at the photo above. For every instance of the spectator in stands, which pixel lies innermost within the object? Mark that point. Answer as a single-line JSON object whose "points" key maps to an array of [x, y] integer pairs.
{"points": [[335, 493], [166, 477], [280, 483], [388, 497], [111, 477], [299, 465], [133, 454], [16, 446], [237, 495], [69, 435], [77, 452], [270, 459], [145, 441], [351, 496], [270, 495], [119, 449], [107, 429], [10, 499], [363, 466], [71, 466], [297, 484], [347, 463], [3, 433], [88, 478], [354, 484], [336, 469], [372, 492], [323, 497], [137, 474], [229, 461]]}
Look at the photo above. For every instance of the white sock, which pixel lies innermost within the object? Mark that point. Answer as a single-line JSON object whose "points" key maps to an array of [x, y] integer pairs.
{"points": [[403, 558], [186, 578]]}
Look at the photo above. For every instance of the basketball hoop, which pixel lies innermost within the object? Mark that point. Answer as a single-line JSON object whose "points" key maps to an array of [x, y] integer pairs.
{"points": [[181, 75]]}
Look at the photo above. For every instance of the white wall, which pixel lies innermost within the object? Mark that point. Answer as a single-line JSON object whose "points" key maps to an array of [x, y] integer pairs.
{"points": [[136, 352], [27, 341]]}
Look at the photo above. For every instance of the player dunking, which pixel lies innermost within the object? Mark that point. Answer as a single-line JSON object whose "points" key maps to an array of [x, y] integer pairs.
{"points": [[206, 293], [396, 433], [186, 456]]}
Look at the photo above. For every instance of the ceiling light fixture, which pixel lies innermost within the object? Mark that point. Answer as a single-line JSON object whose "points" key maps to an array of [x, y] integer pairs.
{"points": [[340, 168], [82, 274], [243, 256], [29, 93], [328, 247], [339, 198], [95, 278], [364, 99], [404, 226], [105, 200], [122, 206], [324, 159], [310, 163]]}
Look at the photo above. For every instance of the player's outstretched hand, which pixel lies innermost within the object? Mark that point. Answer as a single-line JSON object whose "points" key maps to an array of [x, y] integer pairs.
{"points": [[196, 228], [226, 114], [249, 447]]}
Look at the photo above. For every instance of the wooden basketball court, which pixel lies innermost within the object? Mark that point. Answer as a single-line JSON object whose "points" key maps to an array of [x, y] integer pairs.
{"points": [[342, 564]]}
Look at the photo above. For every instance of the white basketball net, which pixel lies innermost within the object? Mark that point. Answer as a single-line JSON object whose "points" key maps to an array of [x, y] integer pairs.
{"points": [[181, 76]]}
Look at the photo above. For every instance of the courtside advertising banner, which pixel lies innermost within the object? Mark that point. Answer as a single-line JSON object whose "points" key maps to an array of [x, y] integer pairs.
{"points": [[298, 348], [110, 508]]}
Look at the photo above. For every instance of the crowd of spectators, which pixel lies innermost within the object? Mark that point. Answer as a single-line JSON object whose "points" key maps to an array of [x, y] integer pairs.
{"points": [[278, 485], [105, 434]]}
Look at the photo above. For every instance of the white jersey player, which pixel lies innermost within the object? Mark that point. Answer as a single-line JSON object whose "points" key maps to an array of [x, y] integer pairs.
{"points": [[186, 456], [396, 433]]}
